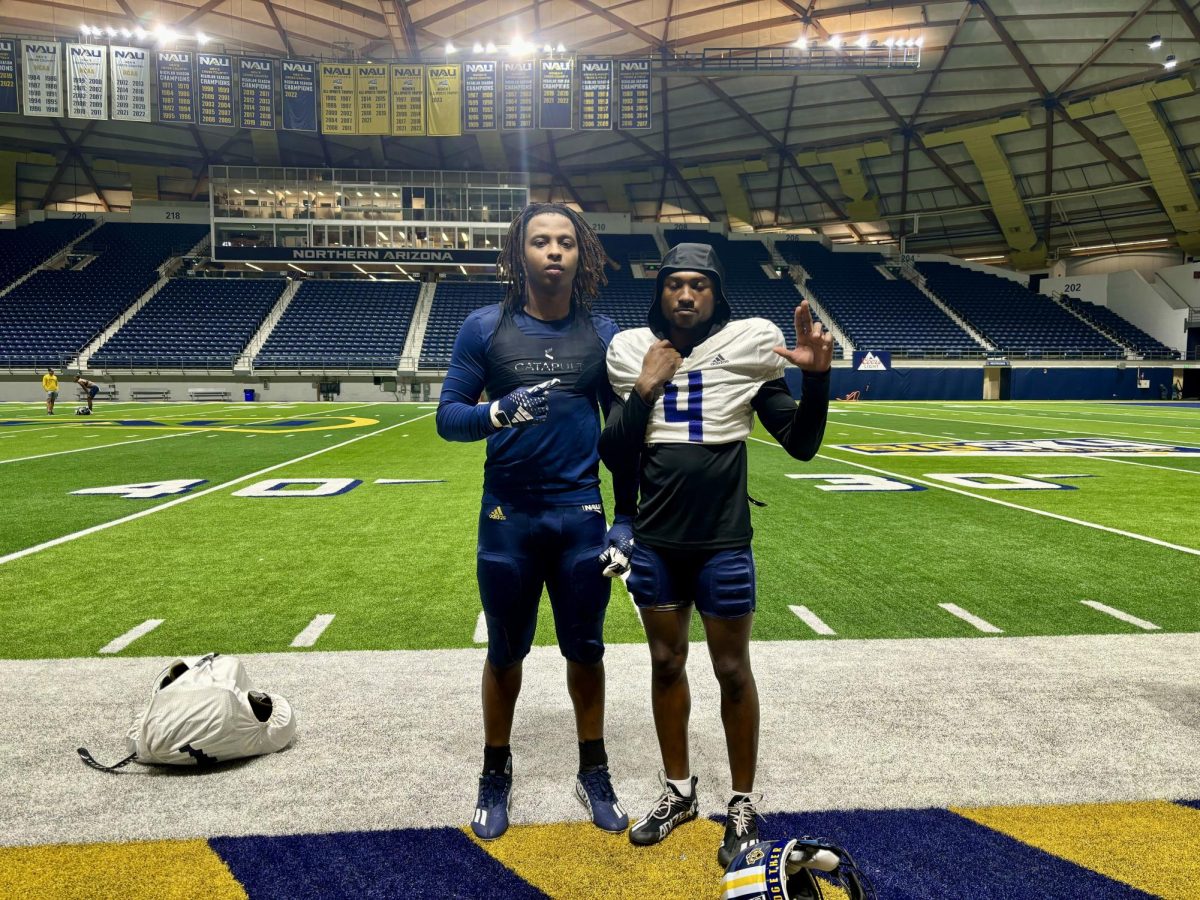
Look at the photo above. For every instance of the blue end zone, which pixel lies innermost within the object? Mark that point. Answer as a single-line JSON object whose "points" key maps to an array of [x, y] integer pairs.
{"points": [[1194, 804], [932, 854], [291, 423], [20, 422], [139, 422], [1177, 404], [195, 423], [415, 864]]}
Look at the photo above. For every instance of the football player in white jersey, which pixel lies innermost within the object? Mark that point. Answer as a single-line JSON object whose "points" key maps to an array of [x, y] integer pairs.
{"points": [[688, 387]]}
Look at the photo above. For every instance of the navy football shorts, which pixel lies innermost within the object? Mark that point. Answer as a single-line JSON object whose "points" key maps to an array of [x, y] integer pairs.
{"points": [[720, 583], [93, 391], [523, 550]]}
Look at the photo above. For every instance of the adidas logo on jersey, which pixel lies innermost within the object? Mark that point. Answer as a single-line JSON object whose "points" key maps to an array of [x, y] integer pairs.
{"points": [[593, 507], [719, 360], [497, 515]]}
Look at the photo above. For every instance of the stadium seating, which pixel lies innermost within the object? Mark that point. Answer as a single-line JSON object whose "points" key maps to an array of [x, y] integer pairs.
{"points": [[1014, 318], [192, 322], [51, 316], [348, 324], [874, 312], [452, 303], [1120, 328], [625, 299], [26, 248]]}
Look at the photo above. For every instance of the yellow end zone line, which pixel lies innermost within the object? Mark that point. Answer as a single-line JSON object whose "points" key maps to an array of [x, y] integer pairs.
{"points": [[46, 545]]}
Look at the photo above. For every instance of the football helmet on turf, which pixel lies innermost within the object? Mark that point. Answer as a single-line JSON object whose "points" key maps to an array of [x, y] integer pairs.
{"points": [[783, 870]]}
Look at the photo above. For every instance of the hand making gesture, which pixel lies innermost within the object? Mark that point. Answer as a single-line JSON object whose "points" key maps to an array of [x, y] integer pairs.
{"points": [[814, 345]]}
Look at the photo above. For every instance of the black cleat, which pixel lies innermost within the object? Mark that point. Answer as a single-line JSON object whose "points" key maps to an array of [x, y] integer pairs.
{"points": [[670, 811], [741, 828]]}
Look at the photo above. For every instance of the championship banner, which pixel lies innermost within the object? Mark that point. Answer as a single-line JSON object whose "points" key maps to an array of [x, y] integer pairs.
{"points": [[8, 77], [555, 94], [445, 100], [374, 103], [337, 98], [256, 90], [518, 94], [595, 95], [130, 84], [408, 100], [299, 82], [872, 360], [214, 74], [87, 81], [633, 94], [41, 72], [176, 86], [479, 88]]}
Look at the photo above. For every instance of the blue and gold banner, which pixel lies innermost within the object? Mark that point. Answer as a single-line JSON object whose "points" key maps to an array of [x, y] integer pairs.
{"points": [[633, 94], [374, 99], [337, 98], [298, 79], [480, 90], [130, 83], [518, 94], [214, 77], [445, 99], [595, 95], [87, 81], [408, 100], [555, 93], [256, 90], [41, 72], [176, 86], [8, 77]]}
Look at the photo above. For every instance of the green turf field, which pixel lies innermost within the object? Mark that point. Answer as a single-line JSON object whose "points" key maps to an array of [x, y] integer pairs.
{"points": [[395, 566]]}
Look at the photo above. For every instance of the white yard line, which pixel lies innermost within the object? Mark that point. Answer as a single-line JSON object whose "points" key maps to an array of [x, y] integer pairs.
{"points": [[981, 624], [46, 545], [118, 644], [812, 620], [1029, 509], [1119, 614], [480, 636], [1133, 426], [312, 631]]}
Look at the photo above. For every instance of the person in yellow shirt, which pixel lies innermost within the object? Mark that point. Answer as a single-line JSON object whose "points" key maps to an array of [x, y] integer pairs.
{"points": [[50, 386]]}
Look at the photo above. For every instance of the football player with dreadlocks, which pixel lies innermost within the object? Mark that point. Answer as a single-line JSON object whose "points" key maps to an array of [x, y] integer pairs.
{"points": [[688, 388], [540, 357]]}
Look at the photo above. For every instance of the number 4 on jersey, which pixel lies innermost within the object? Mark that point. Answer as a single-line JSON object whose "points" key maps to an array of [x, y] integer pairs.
{"points": [[693, 411]]}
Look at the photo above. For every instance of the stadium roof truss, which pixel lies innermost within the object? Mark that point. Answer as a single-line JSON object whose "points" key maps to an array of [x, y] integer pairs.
{"points": [[1029, 128]]}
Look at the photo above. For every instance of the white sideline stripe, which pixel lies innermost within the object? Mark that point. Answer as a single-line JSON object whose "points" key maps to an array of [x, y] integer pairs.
{"points": [[1130, 462], [160, 437], [312, 631], [119, 644], [46, 545], [480, 636], [982, 624], [812, 620], [1037, 512], [1123, 616]]}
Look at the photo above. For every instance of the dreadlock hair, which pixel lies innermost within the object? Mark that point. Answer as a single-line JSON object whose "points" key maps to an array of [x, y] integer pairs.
{"points": [[510, 264]]}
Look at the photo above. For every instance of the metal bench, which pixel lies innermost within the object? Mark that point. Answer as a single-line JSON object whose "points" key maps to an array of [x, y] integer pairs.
{"points": [[209, 394], [150, 394]]}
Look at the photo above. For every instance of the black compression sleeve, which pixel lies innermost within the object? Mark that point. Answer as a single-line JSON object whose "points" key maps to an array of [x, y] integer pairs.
{"points": [[621, 446], [799, 427]]}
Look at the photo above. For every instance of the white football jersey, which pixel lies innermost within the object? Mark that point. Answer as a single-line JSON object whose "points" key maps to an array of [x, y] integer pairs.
{"points": [[708, 400], [205, 715]]}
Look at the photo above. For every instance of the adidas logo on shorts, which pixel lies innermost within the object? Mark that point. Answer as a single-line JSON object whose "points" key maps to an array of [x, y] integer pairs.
{"points": [[497, 515]]}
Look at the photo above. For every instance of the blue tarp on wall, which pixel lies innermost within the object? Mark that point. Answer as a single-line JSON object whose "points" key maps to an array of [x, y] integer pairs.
{"points": [[902, 384], [1105, 383]]}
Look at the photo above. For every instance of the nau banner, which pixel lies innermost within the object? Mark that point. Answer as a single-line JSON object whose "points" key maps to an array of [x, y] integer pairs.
{"points": [[374, 99], [8, 77], [337, 98], [872, 360], [633, 94], [357, 255], [555, 94], [130, 83], [445, 99], [41, 71], [298, 79], [256, 89], [479, 103], [595, 95], [87, 81], [408, 100], [176, 86], [214, 73], [518, 94]]}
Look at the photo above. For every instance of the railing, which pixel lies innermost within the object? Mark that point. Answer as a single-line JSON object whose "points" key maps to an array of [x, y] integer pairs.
{"points": [[326, 364], [157, 362]]}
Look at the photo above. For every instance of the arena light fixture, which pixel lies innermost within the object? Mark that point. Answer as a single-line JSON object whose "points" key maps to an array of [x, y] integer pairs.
{"points": [[1170, 62], [890, 43], [478, 48], [202, 38], [919, 42], [835, 42], [450, 48], [862, 42], [1155, 42], [801, 43], [1150, 242], [560, 48], [491, 48]]}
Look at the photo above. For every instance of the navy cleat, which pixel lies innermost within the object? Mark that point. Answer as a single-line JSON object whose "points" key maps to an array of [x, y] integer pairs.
{"points": [[741, 828], [595, 791], [491, 810]]}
